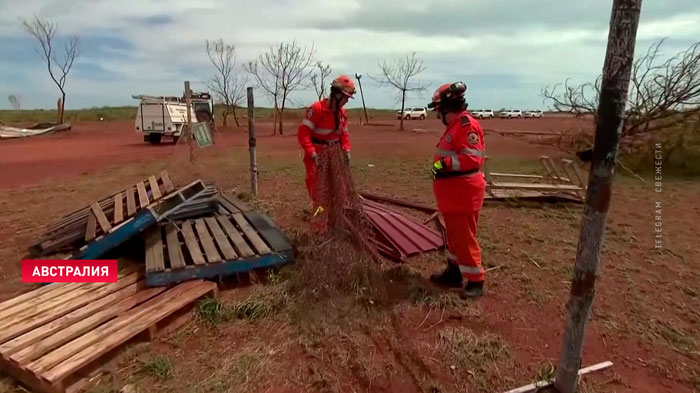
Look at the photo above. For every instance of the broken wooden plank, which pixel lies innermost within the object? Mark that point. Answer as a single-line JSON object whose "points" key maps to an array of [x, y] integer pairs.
{"points": [[101, 217], [221, 238], [250, 233], [154, 251], [167, 184], [207, 243], [143, 195], [155, 191], [537, 386], [174, 250], [130, 202], [192, 243], [537, 186], [91, 227], [118, 208], [238, 242]]}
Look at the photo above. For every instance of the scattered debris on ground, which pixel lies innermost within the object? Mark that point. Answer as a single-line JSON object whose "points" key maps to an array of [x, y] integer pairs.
{"points": [[7, 132]]}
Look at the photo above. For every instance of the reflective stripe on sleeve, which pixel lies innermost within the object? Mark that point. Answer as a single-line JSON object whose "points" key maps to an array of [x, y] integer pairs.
{"points": [[308, 123], [472, 152]]}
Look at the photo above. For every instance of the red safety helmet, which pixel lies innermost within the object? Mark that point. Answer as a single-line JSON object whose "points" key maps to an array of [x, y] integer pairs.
{"points": [[448, 92], [345, 84]]}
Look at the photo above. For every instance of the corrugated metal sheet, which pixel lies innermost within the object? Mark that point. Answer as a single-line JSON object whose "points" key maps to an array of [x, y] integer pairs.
{"points": [[398, 236]]}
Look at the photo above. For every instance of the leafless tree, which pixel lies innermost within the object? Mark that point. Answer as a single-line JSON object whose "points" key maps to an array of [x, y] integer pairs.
{"points": [[44, 32], [663, 94], [281, 70], [318, 79], [15, 101], [399, 74], [226, 83]]}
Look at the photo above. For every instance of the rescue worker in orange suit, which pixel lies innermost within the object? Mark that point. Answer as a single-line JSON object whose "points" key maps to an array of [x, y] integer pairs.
{"points": [[459, 186], [325, 123]]}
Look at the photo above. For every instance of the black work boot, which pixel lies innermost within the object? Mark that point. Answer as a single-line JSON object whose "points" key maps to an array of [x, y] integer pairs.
{"points": [[450, 277], [472, 290]]}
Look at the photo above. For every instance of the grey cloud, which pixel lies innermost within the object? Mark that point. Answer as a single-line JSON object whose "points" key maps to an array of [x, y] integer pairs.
{"points": [[475, 18]]}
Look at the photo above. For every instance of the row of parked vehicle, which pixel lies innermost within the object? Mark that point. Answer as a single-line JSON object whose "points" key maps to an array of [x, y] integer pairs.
{"points": [[507, 114], [422, 113]]}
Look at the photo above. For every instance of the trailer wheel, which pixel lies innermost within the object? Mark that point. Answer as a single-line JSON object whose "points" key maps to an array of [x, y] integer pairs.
{"points": [[154, 138]]}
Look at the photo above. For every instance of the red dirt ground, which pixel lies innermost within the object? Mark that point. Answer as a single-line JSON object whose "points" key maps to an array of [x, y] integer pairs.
{"points": [[93, 146], [525, 302]]}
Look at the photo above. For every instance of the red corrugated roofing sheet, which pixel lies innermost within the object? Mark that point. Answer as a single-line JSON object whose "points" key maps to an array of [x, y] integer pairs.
{"points": [[400, 236]]}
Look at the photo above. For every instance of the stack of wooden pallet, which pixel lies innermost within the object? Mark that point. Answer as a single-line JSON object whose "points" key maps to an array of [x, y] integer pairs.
{"points": [[53, 337]]}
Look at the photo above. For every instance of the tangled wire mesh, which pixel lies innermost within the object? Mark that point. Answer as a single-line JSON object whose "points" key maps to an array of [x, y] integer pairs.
{"points": [[343, 253]]}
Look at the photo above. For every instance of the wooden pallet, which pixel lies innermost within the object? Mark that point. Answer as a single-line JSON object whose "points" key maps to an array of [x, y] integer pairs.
{"points": [[156, 212], [88, 223], [564, 182], [214, 245], [53, 337]]}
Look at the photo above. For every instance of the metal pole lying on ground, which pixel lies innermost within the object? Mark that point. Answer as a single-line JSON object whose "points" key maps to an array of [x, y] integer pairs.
{"points": [[359, 82], [251, 143], [611, 109]]}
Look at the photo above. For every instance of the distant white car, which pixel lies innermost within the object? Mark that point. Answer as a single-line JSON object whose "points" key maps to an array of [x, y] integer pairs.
{"points": [[533, 114], [413, 113], [482, 113], [511, 114]]}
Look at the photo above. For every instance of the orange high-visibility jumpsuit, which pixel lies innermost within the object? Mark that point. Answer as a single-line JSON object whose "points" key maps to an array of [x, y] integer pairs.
{"points": [[459, 189], [317, 130]]}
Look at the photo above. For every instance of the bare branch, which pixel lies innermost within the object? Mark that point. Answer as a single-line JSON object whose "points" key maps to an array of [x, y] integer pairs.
{"points": [[664, 93], [44, 32], [227, 83], [15, 101], [318, 79], [399, 74], [281, 70]]}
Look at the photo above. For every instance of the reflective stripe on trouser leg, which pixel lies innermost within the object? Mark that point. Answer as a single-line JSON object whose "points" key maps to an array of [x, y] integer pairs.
{"points": [[461, 231]]}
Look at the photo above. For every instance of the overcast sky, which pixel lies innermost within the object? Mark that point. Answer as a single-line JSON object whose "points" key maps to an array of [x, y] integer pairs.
{"points": [[505, 51]]}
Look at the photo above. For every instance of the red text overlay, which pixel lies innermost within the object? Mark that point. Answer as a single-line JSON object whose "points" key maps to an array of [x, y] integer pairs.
{"points": [[62, 270]]}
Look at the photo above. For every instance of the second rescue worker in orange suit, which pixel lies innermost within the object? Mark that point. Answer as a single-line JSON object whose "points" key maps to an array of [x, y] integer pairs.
{"points": [[325, 123], [459, 187]]}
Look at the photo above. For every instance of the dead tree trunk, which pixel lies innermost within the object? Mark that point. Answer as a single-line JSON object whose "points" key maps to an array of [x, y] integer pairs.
{"points": [[403, 103], [611, 110]]}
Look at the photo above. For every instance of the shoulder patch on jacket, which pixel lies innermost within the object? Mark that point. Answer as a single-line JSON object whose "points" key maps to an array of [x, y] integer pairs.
{"points": [[473, 138], [465, 120], [310, 113]]}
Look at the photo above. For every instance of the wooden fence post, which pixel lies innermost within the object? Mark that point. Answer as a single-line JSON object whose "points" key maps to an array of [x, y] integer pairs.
{"points": [[611, 109], [251, 143]]}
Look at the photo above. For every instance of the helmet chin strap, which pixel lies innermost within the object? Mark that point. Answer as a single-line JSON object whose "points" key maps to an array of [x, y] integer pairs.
{"points": [[441, 115]]}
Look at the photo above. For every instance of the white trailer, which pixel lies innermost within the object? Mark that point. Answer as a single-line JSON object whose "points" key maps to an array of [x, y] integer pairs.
{"points": [[166, 116]]}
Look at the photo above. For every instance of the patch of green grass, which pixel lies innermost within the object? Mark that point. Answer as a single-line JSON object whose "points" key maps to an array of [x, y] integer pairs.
{"points": [[159, 366], [255, 307], [211, 310], [251, 309]]}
